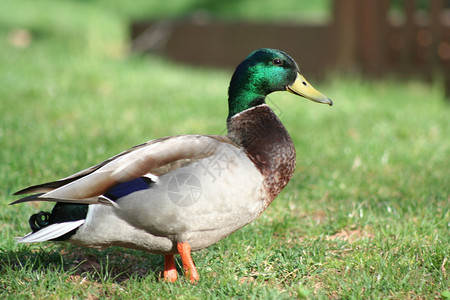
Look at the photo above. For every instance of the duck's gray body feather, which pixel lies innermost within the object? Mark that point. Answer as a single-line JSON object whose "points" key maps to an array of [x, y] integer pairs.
{"points": [[223, 196]]}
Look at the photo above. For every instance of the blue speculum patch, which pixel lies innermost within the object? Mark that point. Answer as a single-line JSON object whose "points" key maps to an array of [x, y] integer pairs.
{"points": [[129, 187]]}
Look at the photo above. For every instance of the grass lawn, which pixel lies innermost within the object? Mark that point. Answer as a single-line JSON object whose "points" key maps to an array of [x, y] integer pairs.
{"points": [[366, 214]]}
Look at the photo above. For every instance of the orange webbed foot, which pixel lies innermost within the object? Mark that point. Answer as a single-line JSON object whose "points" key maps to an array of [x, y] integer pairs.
{"points": [[188, 264], [170, 271]]}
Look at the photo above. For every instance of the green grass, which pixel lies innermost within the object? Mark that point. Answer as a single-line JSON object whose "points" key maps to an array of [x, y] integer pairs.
{"points": [[366, 214]]}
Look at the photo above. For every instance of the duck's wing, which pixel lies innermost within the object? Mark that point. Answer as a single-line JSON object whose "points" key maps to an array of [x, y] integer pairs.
{"points": [[49, 186], [151, 159]]}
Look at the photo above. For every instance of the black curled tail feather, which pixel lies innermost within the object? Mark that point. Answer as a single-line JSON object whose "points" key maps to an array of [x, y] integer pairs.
{"points": [[61, 213], [39, 220]]}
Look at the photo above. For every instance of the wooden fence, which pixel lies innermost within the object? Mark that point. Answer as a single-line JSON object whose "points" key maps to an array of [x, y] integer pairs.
{"points": [[375, 37]]}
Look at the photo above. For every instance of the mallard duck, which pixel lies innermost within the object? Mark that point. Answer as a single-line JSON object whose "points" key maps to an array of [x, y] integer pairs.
{"points": [[183, 193]]}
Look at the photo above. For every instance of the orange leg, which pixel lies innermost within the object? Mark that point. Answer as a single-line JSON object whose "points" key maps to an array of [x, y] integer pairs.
{"points": [[170, 272], [188, 264]]}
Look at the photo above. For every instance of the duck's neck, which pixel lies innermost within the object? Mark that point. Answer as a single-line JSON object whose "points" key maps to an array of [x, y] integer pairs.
{"points": [[259, 131], [245, 91], [243, 101]]}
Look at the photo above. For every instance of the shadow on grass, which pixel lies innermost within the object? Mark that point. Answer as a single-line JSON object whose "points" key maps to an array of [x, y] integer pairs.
{"points": [[116, 265]]}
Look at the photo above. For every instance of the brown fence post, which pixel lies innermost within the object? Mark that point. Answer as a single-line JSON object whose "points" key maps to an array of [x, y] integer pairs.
{"points": [[439, 42], [436, 7], [408, 32], [343, 32], [372, 28]]}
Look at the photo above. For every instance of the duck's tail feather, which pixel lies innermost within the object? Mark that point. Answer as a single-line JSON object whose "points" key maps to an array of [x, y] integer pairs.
{"points": [[46, 187], [38, 197], [34, 197], [51, 232], [58, 225]]}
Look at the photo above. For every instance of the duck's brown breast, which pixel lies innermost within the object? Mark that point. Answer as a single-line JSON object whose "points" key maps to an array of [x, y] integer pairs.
{"points": [[268, 144]]}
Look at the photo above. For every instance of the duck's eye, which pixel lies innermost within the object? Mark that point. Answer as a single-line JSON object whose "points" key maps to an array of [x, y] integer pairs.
{"points": [[277, 62]]}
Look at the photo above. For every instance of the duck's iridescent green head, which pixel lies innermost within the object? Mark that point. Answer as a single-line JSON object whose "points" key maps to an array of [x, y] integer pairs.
{"points": [[265, 71]]}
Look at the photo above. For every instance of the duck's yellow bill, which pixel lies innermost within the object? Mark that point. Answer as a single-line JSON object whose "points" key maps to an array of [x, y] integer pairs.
{"points": [[302, 88]]}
